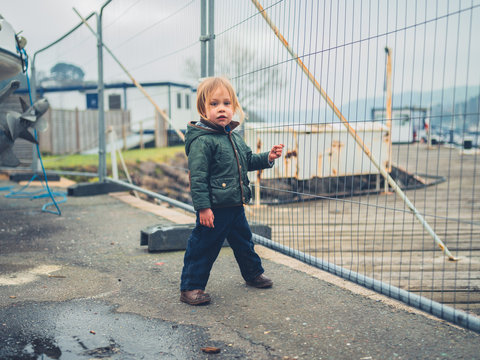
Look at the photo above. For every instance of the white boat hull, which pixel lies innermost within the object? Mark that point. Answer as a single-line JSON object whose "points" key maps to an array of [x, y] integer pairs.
{"points": [[10, 59]]}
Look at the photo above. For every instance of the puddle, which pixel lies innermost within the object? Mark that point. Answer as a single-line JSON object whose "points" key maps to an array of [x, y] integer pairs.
{"points": [[89, 329]]}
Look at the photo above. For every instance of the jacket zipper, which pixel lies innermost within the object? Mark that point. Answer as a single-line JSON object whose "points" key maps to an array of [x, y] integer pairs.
{"points": [[239, 167]]}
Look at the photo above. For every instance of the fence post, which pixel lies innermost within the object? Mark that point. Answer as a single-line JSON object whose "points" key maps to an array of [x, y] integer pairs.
{"points": [[211, 38], [388, 107], [203, 44], [102, 163], [113, 151], [207, 61]]}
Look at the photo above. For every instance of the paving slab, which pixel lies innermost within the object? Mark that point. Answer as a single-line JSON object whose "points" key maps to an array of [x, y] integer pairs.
{"points": [[85, 279]]}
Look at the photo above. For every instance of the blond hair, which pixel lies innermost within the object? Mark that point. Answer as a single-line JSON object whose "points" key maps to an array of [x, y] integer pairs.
{"points": [[208, 86]]}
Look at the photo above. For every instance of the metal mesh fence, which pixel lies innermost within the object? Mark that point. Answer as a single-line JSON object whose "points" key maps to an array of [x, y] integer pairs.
{"points": [[325, 198], [69, 63], [401, 74]]}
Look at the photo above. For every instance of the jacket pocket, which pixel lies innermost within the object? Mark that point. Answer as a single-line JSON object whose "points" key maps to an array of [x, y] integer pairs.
{"points": [[225, 191]]}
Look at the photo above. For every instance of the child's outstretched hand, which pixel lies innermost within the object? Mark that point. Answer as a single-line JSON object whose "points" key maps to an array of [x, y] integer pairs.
{"points": [[276, 152]]}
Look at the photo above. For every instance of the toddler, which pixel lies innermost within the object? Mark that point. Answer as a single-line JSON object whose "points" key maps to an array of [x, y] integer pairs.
{"points": [[218, 160]]}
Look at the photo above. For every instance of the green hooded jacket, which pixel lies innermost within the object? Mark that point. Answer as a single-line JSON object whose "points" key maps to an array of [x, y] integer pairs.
{"points": [[218, 160]]}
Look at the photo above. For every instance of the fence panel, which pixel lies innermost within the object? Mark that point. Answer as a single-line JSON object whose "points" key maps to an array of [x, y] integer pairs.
{"points": [[403, 74], [325, 197]]}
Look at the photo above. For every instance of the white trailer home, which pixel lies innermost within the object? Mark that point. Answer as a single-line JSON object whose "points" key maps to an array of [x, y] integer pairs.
{"points": [[320, 151], [176, 99]]}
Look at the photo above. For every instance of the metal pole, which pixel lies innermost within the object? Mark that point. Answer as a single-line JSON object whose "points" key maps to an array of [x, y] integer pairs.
{"points": [[203, 35], [113, 152], [426, 120], [389, 110], [102, 160], [211, 40], [354, 134], [125, 98], [155, 195], [33, 86], [33, 80], [259, 176]]}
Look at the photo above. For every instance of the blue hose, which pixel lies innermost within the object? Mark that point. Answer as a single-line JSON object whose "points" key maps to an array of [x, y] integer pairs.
{"points": [[46, 192]]}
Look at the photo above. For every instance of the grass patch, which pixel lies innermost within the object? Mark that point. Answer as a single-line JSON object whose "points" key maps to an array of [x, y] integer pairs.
{"points": [[79, 162]]}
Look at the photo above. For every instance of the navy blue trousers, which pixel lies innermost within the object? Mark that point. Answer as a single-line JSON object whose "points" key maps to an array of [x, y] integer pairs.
{"points": [[205, 243]]}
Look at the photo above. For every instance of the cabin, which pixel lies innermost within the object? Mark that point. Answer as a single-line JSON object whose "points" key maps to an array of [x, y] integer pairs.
{"points": [[73, 115]]}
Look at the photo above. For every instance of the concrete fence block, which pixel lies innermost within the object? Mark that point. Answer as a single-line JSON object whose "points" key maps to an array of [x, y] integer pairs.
{"points": [[175, 237]]}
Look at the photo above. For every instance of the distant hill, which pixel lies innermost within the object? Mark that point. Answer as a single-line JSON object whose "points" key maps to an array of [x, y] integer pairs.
{"points": [[442, 100], [463, 101]]}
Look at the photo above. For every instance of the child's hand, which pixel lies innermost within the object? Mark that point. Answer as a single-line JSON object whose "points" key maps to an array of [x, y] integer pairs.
{"points": [[206, 217], [276, 152]]}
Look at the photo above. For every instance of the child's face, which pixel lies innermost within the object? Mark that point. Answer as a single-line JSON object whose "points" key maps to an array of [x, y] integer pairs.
{"points": [[219, 107]]}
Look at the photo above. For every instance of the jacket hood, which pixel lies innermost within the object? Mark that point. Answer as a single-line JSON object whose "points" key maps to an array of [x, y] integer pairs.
{"points": [[195, 130]]}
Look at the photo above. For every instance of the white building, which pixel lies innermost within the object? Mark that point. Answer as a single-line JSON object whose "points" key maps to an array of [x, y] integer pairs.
{"points": [[320, 151], [177, 100], [407, 123]]}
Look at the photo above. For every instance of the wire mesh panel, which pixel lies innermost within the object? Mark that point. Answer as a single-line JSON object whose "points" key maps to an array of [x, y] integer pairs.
{"points": [[66, 74], [402, 74], [376, 102], [163, 36], [142, 43], [69, 64]]}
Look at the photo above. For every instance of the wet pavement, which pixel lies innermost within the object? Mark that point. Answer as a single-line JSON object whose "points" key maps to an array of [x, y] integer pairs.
{"points": [[80, 286], [86, 329]]}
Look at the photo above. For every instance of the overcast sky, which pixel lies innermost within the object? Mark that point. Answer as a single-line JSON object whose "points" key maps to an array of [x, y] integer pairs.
{"points": [[433, 42], [43, 21]]}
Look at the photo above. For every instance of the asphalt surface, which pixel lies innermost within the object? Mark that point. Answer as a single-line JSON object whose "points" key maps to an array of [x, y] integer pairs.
{"points": [[80, 286]]}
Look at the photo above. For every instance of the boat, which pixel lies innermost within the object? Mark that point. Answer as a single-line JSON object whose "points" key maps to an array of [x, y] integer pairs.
{"points": [[11, 60]]}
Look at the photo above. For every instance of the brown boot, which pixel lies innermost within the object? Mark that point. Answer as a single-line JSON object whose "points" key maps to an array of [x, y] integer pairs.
{"points": [[261, 281], [195, 297]]}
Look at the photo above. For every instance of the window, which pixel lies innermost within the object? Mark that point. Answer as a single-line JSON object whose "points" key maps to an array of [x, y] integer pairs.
{"points": [[179, 100], [114, 102], [187, 101], [92, 101]]}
